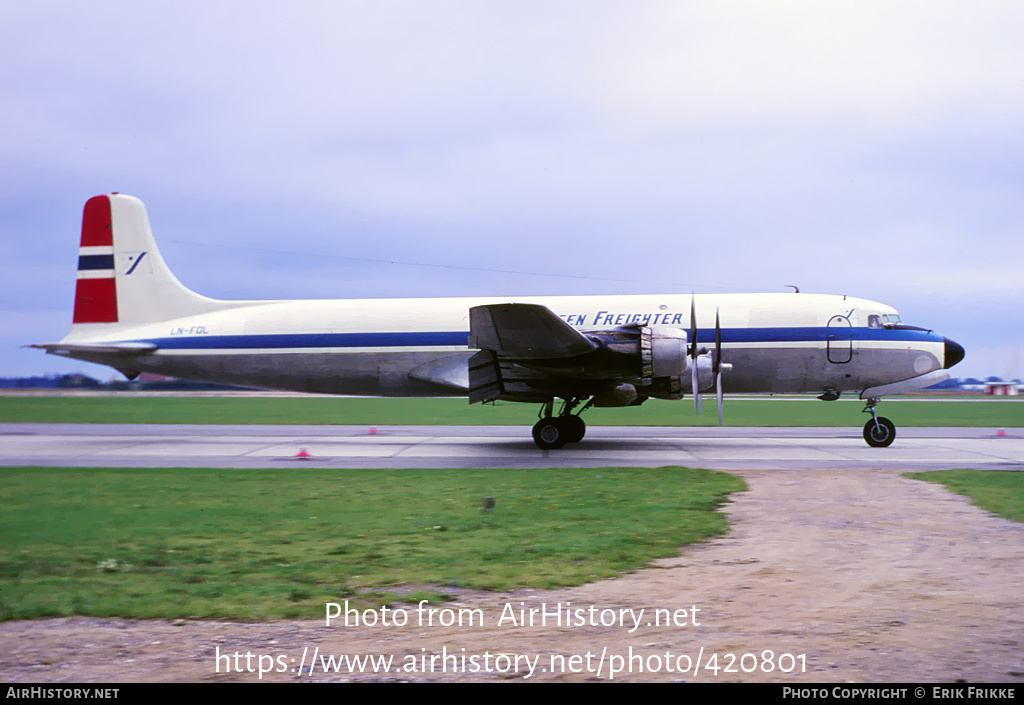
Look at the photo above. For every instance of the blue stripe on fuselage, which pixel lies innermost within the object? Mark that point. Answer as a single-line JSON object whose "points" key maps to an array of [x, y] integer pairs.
{"points": [[458, 338], [311, 340], [796, 335]]}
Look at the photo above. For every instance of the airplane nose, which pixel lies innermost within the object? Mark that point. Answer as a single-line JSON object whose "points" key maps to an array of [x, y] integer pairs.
{"points": [[954, 353]]}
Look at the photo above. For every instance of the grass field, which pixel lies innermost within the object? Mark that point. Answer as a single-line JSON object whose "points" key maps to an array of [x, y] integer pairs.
{"points": [[263, 544], [382, 412], [260, 544], [999, 492]]}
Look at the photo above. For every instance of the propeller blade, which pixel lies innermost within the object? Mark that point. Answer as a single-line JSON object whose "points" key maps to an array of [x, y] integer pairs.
{"points": [[721, 398], [717, 367], [694, 379], [693, 327], [718, 344]]}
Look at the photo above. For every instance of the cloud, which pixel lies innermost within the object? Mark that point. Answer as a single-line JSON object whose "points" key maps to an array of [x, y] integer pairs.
{"points": [[866, 148]]}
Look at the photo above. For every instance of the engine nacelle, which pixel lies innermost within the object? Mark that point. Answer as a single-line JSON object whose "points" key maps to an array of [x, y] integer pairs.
{"points": [[662, 388], [665, 364], [662, 352], [623, 395]]}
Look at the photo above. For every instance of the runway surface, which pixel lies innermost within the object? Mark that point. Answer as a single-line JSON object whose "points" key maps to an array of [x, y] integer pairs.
{"points": [[137, 445]]}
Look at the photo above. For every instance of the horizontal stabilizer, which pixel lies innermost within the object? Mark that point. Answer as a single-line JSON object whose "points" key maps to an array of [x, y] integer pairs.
{"points": [[525, 332], [115, 349]]}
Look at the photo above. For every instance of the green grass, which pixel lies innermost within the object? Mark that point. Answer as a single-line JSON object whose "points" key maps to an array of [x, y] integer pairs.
{"points": [[361, 411], [1000, 492], [261, 544]]}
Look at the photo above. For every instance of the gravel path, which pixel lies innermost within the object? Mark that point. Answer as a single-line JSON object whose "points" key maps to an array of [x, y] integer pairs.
{"points": [[855, 576]]}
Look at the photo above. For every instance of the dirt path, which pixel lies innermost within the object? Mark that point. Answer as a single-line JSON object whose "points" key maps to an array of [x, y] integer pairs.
{"points": [[858, 575]]}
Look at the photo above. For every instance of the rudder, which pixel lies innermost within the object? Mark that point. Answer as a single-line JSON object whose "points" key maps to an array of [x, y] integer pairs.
{"points": [[95, 287]]}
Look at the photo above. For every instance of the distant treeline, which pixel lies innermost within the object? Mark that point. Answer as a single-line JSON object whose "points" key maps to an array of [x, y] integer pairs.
{"points": [[80, 381]]}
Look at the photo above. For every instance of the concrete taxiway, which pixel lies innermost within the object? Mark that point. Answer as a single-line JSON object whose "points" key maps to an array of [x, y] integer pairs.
{"points": [[129, 445]]}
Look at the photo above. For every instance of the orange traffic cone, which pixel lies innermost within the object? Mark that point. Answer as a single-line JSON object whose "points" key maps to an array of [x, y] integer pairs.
{"points": [[302, 454]]}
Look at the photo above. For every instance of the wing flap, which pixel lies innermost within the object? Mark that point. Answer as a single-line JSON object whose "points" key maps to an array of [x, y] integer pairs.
{"points": [[484, 377]]}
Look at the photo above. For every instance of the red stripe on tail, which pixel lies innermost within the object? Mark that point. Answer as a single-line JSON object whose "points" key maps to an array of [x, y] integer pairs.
{"points": [[96, 226], [95, 301]]}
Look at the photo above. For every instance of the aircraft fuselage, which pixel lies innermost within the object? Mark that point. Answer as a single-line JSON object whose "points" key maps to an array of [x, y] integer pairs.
{"points": [[775, 342]]}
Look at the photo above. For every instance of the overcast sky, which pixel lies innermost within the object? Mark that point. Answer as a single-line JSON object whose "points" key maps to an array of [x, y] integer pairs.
{"points": [[364, 149]]}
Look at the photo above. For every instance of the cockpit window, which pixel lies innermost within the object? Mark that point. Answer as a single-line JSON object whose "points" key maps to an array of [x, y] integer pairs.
{"points": [[875, 321], [891, 319]]}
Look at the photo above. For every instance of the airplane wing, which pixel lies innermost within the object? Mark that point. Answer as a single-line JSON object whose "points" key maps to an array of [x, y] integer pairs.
{"points": [[526, 351], [525, 332]]}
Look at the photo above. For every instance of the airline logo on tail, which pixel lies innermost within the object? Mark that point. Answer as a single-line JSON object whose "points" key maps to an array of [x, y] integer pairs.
{"points": [[131, 262], [96, 290]]}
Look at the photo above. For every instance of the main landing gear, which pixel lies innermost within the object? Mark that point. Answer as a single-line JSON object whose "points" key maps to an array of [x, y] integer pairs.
{"points": [[879, 432], [553, 432]]}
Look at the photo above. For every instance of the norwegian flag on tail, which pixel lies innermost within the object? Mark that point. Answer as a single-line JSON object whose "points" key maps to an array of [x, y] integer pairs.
{"points": [[95, 289]]}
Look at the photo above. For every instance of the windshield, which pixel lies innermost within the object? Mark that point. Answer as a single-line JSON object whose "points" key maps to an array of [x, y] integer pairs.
{"points": [[883, 320]]}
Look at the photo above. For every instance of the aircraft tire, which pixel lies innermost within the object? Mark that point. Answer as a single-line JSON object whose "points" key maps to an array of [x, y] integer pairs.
{"points": [[881, 436], [575, 428], [550, 434]]}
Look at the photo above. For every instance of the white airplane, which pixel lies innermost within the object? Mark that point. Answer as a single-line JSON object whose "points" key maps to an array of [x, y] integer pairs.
{"points": [[132, 314]]}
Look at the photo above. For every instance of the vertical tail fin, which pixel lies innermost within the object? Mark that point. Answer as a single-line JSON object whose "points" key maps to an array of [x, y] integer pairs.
{"points": [[122, 279], [95, 288]]}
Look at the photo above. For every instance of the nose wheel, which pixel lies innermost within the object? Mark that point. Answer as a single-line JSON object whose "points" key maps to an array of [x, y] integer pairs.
{"points": [[879, 432]]}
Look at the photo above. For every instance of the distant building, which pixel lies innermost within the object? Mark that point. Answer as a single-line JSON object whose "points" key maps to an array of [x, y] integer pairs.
{"points": [[77, 381], [1002, 389]]}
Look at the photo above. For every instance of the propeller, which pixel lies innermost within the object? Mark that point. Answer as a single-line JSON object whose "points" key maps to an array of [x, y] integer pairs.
{"points": [[718, 367], [693, 354]]}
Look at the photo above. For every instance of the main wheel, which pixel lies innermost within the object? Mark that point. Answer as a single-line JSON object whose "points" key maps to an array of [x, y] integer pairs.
{"points": [[550, 434], [574, 427], [880, 435]]}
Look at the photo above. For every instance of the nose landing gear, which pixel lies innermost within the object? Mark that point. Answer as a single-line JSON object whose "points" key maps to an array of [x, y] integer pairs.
{"points": [[879, 432]]}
